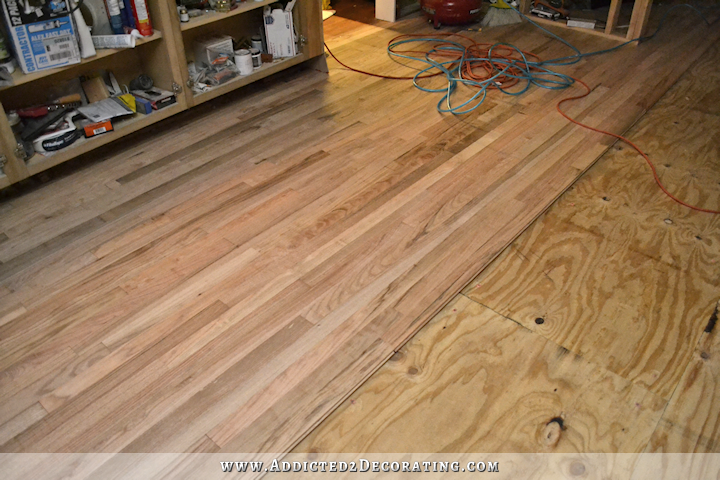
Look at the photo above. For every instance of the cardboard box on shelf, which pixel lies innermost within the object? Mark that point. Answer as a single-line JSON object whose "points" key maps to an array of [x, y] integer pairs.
{"points": [[280, 31], [157, 97], [43, 37]]}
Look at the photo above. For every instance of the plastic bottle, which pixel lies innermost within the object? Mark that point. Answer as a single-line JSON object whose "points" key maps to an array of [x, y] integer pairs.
{"points": [[87, 49], [142, 17], [127, 14], [114, 15]]}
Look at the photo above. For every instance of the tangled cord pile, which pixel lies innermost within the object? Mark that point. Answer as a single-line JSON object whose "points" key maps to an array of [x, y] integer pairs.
{"points": [[499, 66], [502, 67]]}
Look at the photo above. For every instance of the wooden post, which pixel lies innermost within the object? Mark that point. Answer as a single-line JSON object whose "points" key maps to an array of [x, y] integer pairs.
{"points": [[613, 15], [15, 168], [639, 19]]}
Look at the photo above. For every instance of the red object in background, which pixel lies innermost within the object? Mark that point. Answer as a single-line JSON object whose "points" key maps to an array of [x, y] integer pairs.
{"points": [[451, 12]]}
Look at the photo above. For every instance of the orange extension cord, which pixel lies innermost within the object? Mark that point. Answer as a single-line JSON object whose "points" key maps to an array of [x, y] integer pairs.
{"points": [[620, 137], [476, 70], [483, 70]]}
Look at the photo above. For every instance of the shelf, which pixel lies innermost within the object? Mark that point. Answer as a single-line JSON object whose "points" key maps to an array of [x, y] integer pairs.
{"points": [[237, 82], [39, 162], [20, 78], [211, 17], [563, 24]]}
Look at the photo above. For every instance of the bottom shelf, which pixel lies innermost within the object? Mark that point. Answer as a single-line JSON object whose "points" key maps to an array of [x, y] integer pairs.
{"points": [[39, 162], [563, 24], [265, 70]]}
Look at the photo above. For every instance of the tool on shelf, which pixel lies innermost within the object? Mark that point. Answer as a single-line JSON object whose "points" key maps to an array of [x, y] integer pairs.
{"points": [[37, 111], [63, 134], [550, 9]]}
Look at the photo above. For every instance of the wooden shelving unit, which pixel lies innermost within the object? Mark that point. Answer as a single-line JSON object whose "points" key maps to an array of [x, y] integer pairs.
{"points": [[38, 163], [20, 78], [638, 21], [164, 56], [215, 16], [267, 69]]}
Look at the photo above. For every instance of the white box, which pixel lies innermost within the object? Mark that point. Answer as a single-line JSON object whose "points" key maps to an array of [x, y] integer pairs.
{"points": [[280, 31], [43, 38], [208, 48]]}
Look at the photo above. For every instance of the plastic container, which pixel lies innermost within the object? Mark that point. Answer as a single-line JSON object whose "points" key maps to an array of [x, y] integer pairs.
{"points": [[243, 61], [256, 59], [256, 42]]}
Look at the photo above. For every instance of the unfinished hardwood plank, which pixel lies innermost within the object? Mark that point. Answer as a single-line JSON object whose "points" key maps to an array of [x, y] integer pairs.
{"points": [[28, 389], [351, 360], [11, 313], [197, 414], [84, 407], [21, 421]]}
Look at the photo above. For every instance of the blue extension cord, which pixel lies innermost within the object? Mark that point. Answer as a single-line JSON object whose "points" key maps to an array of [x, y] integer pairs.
{"points": [[544, 78]]}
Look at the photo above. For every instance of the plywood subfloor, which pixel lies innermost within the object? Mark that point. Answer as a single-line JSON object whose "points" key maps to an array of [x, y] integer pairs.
{"points": [[600, 314], [222, 282]]}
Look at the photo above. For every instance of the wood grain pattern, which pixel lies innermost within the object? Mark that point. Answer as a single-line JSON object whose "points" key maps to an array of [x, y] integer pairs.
{"points": [[637, 317], [602, 314], [472, 381], [690, 422], [241, 280]]}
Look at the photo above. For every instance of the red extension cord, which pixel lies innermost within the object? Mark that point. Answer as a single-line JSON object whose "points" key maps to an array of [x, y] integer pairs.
{"points": [[480, 71], [620, 137]]}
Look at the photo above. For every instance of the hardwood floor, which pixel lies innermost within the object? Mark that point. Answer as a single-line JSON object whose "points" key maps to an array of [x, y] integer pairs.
{"points": [[602, 314], [224, 281]]}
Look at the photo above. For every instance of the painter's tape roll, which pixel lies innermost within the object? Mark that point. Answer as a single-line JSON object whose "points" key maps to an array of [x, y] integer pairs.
{"points": [[99, 23]]}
